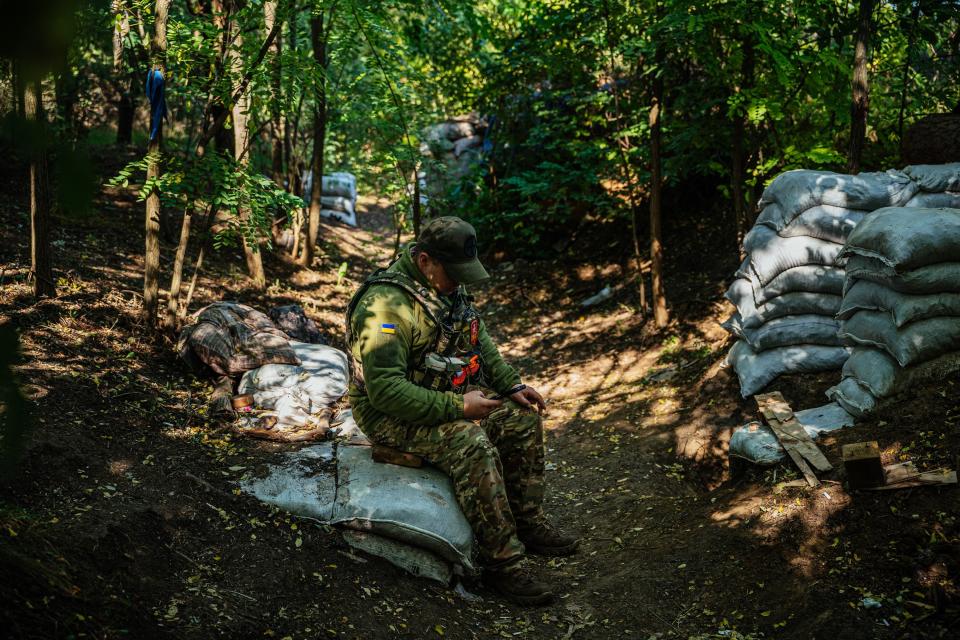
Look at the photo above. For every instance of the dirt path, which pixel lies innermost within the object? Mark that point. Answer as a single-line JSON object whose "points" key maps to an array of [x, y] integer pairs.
{"points": [[124, 519]]}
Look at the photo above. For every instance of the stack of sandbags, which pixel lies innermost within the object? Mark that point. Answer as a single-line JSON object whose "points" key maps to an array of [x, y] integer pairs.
{"points": [[789, 286], [338, 198], [901, 303], [455, 146]]}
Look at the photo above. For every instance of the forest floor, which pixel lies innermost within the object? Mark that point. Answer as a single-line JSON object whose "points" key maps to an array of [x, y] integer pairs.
{"points": [[124, 518]]}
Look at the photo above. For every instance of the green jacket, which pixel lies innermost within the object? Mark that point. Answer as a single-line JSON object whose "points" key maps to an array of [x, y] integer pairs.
{"points": [[387, 356]]}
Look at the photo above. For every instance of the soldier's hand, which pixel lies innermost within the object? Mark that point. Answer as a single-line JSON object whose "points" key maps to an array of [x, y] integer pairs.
{"points": [[477, 406], [530, 398]]}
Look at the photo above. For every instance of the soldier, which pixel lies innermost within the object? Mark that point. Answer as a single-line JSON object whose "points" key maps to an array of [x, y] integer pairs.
{"points": [[424, 372]]}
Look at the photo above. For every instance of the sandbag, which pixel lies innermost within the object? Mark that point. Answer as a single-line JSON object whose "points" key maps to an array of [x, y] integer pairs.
{"points": [[933, 278], [753, 315], [793, 192], [415, 506], [340, 184], [758, 444], [824, 222], [342, 216], [340, 484], [771, 255], [904, 308], [934, 200], [298, 392], [853, 397], [935, 177], [788, 330], [338, 203], [907, 239], [911, 344], [808, 278], [463, 144], [883, 376], [757, 370]]}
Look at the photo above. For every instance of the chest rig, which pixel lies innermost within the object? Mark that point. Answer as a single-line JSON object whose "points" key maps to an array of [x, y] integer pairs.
{"points": [[454, 359]]}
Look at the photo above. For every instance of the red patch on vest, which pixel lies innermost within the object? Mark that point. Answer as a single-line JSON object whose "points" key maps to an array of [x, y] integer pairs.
{"points": [[474, 331]]}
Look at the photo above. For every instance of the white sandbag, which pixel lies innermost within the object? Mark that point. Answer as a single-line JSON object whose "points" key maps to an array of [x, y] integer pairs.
{"points": [[907, 239], [788, 330], [924, 200], [933, 278], [770, 255], [338, 203], [415, 506], [911, 344], [757, 443], [753, 315], [464, 144], [340, 184], [456, 130], [296, 393], [336, 184], [863, 295], [883, 376], [824, 222], [853, 397], [793, 192], [757, 370], [346, 218], [935, 177], [414, 509], [808, 278]]}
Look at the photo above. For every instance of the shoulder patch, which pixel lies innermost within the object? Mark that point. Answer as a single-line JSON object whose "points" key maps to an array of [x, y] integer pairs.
{"points": [[388, 327]]}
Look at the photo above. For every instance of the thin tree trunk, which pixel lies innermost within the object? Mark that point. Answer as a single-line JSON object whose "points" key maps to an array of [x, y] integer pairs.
{"points": [[241, 138], [860, 105], [176, 280], [738, 160], [905, 79], [127, 81], [19, 91], [319, 40], [40, 269], [623, 145], [276, 75], [151, 257], [660, 316]]}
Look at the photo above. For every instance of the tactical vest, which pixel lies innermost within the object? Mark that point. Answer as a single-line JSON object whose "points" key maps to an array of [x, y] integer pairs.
{"points": [[455, 343]]}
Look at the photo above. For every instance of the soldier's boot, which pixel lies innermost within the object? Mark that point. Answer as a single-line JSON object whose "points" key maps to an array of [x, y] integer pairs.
{"points": [[518, 584], [543, 539]]}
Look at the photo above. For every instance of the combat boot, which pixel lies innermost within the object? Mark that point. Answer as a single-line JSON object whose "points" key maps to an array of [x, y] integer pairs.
{"points": [[518, 584], [543, 539]]}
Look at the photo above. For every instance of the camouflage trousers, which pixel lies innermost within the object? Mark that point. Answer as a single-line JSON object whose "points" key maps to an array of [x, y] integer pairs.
{"points": [[496, 467]]}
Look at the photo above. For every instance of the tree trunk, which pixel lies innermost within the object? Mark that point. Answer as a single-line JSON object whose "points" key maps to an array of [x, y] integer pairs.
{"points": [[905, 79], [319, 40], [861, 93], [40, 269], [738, 164], [151, 257], [659, 299], [276, 121], [171, 316], [126, 111], [241, 140], [127, 81]]}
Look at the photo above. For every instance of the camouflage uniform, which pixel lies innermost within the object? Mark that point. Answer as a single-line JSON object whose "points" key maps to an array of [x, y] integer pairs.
{"points": [[497, 466]]}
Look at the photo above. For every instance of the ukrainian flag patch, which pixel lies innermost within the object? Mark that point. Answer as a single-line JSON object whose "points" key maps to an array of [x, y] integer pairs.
{"points": [[388, 328]]}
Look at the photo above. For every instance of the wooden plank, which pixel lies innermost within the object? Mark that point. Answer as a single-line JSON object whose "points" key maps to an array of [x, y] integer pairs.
{"points": [[788, 429]]}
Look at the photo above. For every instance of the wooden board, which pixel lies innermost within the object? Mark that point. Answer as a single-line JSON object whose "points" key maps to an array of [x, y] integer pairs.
{"points": [[792, 435]]}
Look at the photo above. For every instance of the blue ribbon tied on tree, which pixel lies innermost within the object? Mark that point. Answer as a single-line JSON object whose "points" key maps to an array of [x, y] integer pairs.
{"points": [[158, 102]]}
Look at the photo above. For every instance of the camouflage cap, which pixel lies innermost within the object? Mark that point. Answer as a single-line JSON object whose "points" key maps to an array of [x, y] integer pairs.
{"points": [[454, 243]]}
